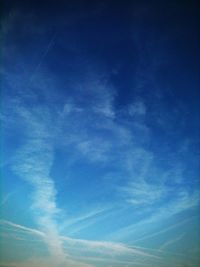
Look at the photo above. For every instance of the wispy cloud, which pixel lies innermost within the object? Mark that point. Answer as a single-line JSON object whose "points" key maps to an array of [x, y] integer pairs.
{"points": [[90, 216], [92, 253], [163, 231], [76, 133], [102, 250], [33, 163], [171, 241], [21, 228], [183, 202], [142, 193], [104, 246], [43, 262]]}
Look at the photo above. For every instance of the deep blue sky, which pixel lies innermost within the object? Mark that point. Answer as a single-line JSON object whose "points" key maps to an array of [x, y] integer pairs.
{"points": [[100, 133]]}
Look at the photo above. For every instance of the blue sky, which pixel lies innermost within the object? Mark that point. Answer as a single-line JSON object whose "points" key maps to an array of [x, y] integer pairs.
{"points": [[100, 134]]}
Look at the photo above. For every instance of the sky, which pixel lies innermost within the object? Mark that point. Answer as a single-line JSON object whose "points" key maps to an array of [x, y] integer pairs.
{"points": [[100, 134]]}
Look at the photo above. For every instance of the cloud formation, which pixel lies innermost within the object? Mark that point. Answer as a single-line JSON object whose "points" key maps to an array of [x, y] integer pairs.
{"points": [[100, 137], [33, 163], [87, 250]]}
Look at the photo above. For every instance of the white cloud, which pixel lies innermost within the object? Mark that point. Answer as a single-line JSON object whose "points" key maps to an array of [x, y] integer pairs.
{"points": [[22, 228], [142, 193], [33, 163], [88, 250], [95, 149], [90, 216], [87, 122], [105, 247], [44, 262], [183, 202], [163, 231]]}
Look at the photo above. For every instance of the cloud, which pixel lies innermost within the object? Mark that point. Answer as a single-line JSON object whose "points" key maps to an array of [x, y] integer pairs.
{"points": [[95, 149], [163, 231], [105, 247], [33, 163], [144, 182], [89, 217], [181, 203], [171, 241], [21, 228], [88, 250], [142, 193], [87, 121], [44, 262]]}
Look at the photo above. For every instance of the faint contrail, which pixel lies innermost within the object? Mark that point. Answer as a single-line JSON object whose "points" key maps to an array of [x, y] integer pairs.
{"points": [[164, 230], [46, 51]]}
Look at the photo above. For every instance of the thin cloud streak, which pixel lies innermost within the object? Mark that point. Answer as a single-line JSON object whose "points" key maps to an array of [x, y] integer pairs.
{"points": [[89, 217], [103, 249], [118, 248], [171, 241], [164, 230], [184, 203], [46, 51]]}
